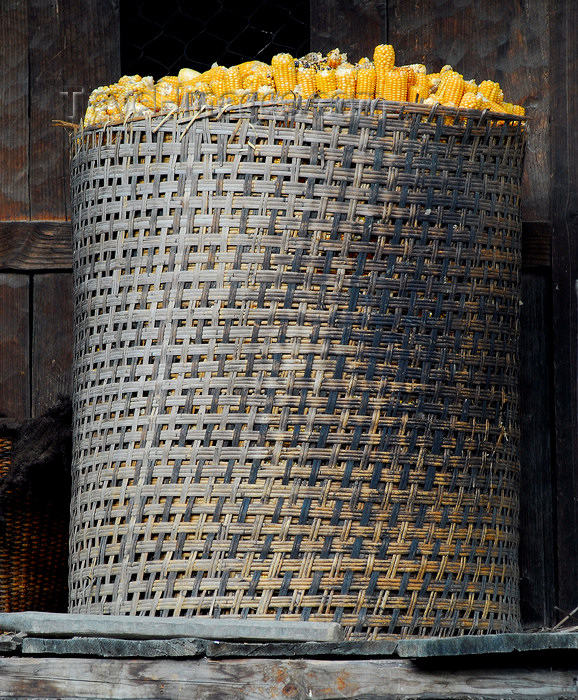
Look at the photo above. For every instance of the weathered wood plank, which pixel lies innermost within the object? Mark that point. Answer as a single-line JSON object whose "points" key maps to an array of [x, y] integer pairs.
{"points": [[14, 346], [124, 626], [354, 26], [260, 679], [48, 175], [52, 340], [537, 527], [486, 644], [507, 42], [536, 244], [374, 649], [564, 62], [14, 95], [104, 647], [10, 642], [35, 245], [72, 48]]}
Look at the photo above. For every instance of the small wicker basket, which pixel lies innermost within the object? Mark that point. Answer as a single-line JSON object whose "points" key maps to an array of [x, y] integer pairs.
{"points": [[296, 366]]}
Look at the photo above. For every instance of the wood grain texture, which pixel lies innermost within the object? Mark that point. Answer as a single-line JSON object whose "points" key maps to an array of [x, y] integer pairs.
{"points": [[536, 244], [52, 340], [48, 175], [564, 62], [143, 627], [354, 26], [14, 95], [35, 246], [260, 679], [14, 345], [537, 525], [503, 41]]}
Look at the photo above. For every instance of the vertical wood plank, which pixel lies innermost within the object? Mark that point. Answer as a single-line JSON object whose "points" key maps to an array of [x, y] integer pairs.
{"points": [[14, 198], [564, 63], [73, 48], [48, 143], [14, 346], [537, 527], [493, 39], [354, 26], [52, 340]]}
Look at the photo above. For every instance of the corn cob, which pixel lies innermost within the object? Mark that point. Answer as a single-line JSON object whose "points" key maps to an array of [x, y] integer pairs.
{"points": [[345, 77], [451, 88], [335, 58], [306, 85], [384, 58], [328, 76], [395, 86], [325, 82], [167, 92], [471, 100], [284, 73], [491, 90], [420, 88], [366, 78], [260, 75]]}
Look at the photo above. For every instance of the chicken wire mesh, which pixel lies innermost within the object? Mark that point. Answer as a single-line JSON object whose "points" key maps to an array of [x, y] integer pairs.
{"points": [[160, 38]]}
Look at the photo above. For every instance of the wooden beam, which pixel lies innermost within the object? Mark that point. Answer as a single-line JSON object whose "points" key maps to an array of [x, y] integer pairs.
{"points": [[35, 246], [256, 679]]}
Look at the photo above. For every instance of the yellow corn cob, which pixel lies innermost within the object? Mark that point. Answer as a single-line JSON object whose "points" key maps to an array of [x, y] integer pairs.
{"points": [[187, 77], [451, 88], [335, 58], [345, 76], [384, 57], [492, 105], [232, 79], [218, 88], [113, 109], [325, 82], [247, 67], [470, 86], [395, 86], [490, 90], [471, 100], [167, 92], [260, 75], [306, 84], [366, 77], [214, 73], [284, 73], [420, 89], [511, 108]]}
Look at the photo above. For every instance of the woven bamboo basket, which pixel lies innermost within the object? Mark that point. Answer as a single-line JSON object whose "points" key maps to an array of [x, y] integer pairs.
{"points": [[295, 383], [33, 547]]}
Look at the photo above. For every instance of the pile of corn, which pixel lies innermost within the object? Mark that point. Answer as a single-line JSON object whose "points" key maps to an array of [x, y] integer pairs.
{"points": [[312, 75]]}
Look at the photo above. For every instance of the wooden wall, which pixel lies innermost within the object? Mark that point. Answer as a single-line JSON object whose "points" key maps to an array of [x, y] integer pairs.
{"points": [[55, 53], [52, 54]]}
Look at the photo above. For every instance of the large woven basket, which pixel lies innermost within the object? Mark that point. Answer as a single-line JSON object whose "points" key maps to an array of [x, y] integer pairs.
{"points": [[296, 366]]}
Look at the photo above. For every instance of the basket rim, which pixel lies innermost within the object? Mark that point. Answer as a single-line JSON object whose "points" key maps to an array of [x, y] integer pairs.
{"points": [[200, 109]]}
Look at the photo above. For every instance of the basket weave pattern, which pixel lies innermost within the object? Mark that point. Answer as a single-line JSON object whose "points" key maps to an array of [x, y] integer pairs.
{"points": [[296, 367]]}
